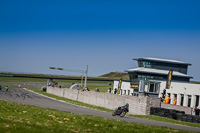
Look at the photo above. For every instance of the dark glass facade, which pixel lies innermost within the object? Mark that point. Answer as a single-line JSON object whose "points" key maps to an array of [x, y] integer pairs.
{"points": [[137, 76], [182, 68]]}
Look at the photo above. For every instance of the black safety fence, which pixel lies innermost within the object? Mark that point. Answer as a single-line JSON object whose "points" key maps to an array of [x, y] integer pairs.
{"points": [[174, 114], [197, 111]]}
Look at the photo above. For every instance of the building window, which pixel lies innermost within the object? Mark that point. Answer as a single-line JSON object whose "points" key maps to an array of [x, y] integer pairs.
{"points": [[189, 100], [140, 64], [175, 96], [148, 77], [124, 92], [197, 101], [146, 64], [182, 99], [169, 94], [128, 92], [157, 87], [151, 89], [133, 77], [146, 86]]}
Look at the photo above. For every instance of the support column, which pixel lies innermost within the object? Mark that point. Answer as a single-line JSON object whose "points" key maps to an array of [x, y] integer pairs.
{"points": [[193, 101], [172, 98], [178, 99], [185, 102]]}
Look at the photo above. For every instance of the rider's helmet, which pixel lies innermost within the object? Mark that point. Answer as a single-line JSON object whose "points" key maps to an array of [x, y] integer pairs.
{"points": [[127, 104]]}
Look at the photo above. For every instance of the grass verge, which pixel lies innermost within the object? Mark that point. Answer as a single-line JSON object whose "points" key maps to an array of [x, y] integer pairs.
{"points": [[71, 101], [168, 120], [148, 117], [102, 88], [19, 118]]}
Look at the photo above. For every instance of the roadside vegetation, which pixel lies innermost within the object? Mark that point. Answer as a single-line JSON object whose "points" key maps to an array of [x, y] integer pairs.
{"points": [[164, 119], [148, 117], [70, 101], [19, 118]]}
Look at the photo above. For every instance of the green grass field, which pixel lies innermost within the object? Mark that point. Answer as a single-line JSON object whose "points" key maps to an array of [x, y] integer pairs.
{"points": [[19, 118], [102, 88], [22, 79]]}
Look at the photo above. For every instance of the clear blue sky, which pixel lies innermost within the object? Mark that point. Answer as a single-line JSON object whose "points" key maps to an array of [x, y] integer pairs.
{"points": [[104, 34]]}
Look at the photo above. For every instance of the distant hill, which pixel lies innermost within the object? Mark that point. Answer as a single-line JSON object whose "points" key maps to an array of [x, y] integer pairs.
{"points": [[116, 75]]}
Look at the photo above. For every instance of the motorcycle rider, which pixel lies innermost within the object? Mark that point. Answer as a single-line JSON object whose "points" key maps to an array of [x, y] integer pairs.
{"points": [[124, 107], [121, 110], [127, 107]]}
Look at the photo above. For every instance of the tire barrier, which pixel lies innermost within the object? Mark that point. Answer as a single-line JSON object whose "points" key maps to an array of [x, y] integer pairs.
{"points": [[174, 114]]}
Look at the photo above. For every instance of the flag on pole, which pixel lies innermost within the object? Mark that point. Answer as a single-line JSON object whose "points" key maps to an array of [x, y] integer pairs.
{"points": [[119, 86], [169, 79]]}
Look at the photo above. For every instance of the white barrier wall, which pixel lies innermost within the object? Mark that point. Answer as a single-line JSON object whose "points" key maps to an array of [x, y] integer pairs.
{"points": [[137, 105]]}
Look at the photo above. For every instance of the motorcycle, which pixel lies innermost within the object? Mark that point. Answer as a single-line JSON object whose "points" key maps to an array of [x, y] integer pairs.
{"points": [[121, 111]]}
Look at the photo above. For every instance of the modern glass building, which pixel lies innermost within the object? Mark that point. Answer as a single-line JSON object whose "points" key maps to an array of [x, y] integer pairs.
{"points": [[150, 79], [157, 69]]}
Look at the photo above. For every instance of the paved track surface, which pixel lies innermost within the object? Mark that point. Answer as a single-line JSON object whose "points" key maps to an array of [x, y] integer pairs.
{"points": [[20, 95]]}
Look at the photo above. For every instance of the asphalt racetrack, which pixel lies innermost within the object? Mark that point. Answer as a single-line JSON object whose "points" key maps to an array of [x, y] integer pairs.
{"points": [[23, 96]]}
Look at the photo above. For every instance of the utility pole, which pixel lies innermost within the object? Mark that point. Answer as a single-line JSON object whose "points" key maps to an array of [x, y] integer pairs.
{"points": [[86, 72]]}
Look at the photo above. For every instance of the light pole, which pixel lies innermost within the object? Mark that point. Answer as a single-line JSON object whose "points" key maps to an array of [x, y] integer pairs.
{"points": [[86, 72], [74, 70]]}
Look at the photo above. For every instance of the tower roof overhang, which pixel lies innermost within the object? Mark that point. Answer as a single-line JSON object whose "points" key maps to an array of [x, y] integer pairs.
{"points": [[162, 60], [157, 71]]}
